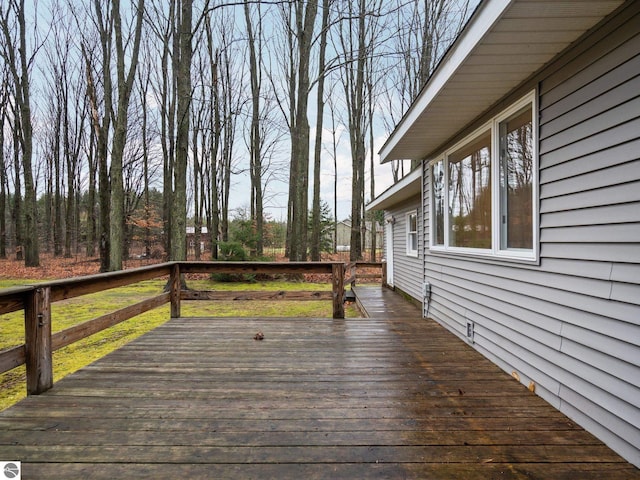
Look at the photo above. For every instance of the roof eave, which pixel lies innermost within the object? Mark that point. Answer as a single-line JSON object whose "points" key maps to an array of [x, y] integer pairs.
{"points": [[504, 45], [483, 18], [404, 189]]}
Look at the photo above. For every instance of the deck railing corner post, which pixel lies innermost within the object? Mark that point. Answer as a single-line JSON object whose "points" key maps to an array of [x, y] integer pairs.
{"points": [[337, 280], [38, 349], [175, 290]]}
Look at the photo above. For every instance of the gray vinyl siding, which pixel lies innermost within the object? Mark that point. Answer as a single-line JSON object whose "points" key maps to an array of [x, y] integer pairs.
{"points": [[571, 324], [407, 270]]}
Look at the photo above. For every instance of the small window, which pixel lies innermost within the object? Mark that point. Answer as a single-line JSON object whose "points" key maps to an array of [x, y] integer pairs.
{"points": [[412, 234]]}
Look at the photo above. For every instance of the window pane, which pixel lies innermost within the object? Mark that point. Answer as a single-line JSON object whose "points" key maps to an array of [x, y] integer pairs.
{"points": [[470, 194], [412, 233], [516, 181], [437, 182]]}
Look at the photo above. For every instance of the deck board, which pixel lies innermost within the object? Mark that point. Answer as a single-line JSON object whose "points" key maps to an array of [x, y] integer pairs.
{"points": [[317, 398]]}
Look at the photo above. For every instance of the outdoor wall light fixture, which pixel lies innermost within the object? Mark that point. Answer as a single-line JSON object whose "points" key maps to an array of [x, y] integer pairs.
{"points": [[391, 220]]}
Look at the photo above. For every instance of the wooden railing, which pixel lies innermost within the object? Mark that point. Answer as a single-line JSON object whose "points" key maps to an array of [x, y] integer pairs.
{"points": [[36, 302], [353, 275]]}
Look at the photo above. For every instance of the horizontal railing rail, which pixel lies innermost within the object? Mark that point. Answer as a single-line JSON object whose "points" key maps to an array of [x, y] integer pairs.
{"points": [[36, 300], [354, 272]]}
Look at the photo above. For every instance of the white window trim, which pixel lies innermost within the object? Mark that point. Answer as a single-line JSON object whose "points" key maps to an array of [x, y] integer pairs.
{"points": [[408, 232], [522, 255]]}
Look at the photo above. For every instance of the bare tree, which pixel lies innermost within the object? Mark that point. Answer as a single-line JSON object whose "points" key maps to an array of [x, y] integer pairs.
{"points": [[100, 120], [125, 81], [17, 207], [143, 89], [356, 42], [12, 21], [335, 139], [372, 177], [68, 116], [4, 96], [54, 172], [254, 42], [213, 147], [316, 224], [162, 25], [199, 112], [298, 22], [94, 147], [119, 39], [91, 225], [229, 73], [183, 102]]}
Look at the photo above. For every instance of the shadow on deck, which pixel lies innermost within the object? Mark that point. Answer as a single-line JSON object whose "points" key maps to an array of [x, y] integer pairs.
{"points": [[317, 398]]}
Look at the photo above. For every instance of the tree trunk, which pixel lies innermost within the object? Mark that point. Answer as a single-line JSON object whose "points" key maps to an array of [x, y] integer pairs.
{"points": [[101, 127], [71, 155], [228, 117], [354, 90], [215, 125], [197, 174], [104, 197], [18, 63], [3, 183], [91, 198], [125, 85], [315, 227], [255, 140], [31, 244], [372, 184], [57, 194], [299, 178], [144, 86], [183, 77], [17, 196], [167, 115]]}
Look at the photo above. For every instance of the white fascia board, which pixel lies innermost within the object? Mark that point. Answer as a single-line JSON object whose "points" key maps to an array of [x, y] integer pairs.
{"points": [[488, 14]]}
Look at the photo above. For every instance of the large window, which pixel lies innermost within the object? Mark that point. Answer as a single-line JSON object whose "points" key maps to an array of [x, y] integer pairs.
{"points": [[483, 196]]}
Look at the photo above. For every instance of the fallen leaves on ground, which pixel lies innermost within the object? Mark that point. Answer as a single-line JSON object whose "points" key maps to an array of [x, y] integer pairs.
{"points": [[58, 267]]}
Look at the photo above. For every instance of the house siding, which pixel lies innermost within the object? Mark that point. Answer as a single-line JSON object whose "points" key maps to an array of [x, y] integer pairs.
{"points": [[570, 325], [407, 270]]}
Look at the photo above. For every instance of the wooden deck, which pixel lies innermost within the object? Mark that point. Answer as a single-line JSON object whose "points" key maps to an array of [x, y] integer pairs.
{"points": [[378, 302], [317, 398]]}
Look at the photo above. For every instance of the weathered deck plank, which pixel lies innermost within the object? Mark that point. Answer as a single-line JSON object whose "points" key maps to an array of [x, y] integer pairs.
{"points": [[317, 398]]}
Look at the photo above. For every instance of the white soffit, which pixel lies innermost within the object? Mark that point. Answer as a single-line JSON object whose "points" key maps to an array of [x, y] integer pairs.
{"points": [[404, 189], [504, 43]]}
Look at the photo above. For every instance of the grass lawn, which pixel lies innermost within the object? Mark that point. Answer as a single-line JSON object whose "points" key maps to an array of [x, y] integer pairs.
{"points": [[71, 312]]}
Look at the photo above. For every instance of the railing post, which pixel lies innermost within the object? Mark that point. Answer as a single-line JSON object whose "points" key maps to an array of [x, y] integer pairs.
{"points": [[384, 274], [37, 336], [175, 290], [337, 280]]}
